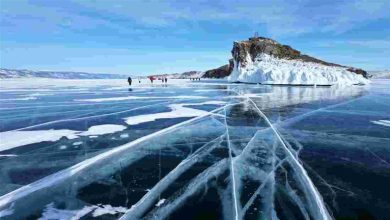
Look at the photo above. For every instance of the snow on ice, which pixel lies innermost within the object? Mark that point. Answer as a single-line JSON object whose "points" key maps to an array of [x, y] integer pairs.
{"points": [[12, 139]]}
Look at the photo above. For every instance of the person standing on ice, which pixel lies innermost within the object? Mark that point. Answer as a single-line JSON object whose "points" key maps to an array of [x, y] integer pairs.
{"points": [[166, 80], [129, 80], [151, 79]]}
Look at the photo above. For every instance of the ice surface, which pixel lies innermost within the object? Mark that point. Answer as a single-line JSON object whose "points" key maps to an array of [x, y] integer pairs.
{"points": [[270, 70], [138, 97], [247, 152]]}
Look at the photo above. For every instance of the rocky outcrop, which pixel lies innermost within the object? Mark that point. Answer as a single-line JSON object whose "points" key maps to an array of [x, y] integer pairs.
{"points": [[245, 52], [220, 72]]}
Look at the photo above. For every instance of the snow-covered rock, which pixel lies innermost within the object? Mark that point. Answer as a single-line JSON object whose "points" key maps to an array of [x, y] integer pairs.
{"points": [[263, 60], [267, 69]]}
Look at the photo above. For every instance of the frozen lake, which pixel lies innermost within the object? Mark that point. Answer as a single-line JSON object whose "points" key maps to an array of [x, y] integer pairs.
{"points": [[86, 149]]}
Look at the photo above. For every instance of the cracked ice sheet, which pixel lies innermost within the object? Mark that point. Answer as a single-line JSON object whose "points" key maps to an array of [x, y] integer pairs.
{"points": [[78, 171], [178, 111], [139, 97], [12, 139]]}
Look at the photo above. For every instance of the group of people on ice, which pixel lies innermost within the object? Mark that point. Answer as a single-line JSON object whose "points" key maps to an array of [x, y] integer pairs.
{"points": [[163, 79], [151, 78]]}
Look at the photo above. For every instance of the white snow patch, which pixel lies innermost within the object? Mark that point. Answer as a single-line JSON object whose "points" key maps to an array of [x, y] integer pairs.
{"points": [[12, 139], [77, 143], [108, 209], [50, 213], [267, 69], [63, 147], [40, 94], [8, 155], [19, 99], [208, 90], [160, 202], [103, 129], [124, 136], [76, 169], [178, 111], [382, 122]]}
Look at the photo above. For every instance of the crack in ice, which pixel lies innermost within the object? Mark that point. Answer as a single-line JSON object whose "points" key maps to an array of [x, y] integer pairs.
{"points": [[319, 204], [234, 189]]}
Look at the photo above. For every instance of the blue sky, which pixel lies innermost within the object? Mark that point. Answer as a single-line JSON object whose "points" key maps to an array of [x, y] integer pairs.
{"points": [[152, 36]]}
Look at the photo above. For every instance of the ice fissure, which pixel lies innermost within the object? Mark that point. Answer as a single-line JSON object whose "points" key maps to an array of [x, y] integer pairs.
{"points": [[262, 158], [318, 210]]}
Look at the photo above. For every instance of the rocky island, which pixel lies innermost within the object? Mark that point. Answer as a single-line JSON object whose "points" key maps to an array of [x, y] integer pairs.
{"points": [[263, 60]]}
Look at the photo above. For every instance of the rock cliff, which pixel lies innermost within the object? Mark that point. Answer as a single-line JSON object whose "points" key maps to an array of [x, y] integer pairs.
{"points": [[247, 51], [220, 72], [263, 60]]}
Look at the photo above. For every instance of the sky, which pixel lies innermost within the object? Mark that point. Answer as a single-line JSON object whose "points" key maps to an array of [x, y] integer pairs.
{"points": [[152, 36]]}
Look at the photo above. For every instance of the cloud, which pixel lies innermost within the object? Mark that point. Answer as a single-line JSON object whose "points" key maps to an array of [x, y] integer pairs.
{"points": [[192, 25], [279, 17]]}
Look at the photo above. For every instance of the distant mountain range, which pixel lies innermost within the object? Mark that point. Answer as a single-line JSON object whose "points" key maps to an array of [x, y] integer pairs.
{"points": [[12, 73], [185, 75], [221, 72], [383, 74]]}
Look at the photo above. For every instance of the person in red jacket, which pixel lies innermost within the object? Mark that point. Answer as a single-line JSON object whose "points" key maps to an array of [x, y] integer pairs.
{"points": [[151, 79]]}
